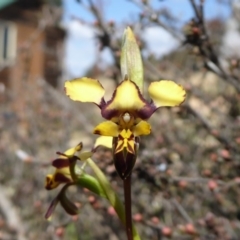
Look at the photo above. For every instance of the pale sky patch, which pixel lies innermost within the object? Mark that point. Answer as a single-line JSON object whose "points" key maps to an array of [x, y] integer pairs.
{"points": [[159, 41], [81, 48]]}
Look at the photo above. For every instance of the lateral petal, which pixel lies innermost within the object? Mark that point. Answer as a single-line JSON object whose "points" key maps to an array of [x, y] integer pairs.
{"points": [[85, 90], [104, 141], [166, 93], [84, 155], [107, 128], [142, 128]]}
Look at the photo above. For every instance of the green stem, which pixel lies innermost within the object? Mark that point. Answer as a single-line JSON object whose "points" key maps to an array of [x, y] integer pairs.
{"points": [[128, 206], [111, 196]]}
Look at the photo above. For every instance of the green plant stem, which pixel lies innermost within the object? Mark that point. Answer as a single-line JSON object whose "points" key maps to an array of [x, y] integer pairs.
{"points": [[128, 206], [111, 196], [106, 186]]}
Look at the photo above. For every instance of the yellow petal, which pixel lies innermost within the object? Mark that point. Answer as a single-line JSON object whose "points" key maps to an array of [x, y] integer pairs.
{"points": [[103, 141], [166, 93], [70, 152], [64, 171], [84, 155], [85, 90], [50, 182], [79, 147], [142, 128], [107, 128], [126, 98]]}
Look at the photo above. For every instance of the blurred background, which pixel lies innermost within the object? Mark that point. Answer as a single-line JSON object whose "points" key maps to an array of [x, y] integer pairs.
{"points": [[187, 176]]}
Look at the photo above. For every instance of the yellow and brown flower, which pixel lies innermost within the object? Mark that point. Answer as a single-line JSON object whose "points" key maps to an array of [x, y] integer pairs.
{"points": [[127, 110], [62, 165]]}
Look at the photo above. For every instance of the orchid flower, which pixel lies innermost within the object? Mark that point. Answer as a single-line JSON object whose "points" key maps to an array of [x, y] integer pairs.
{"points": [[69, 174], [126, 112], [62, 172]]}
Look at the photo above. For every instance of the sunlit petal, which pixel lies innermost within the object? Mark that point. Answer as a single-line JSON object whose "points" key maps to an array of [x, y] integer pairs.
{"points": [[142, 128], [50, 182], [166, 93], [70, 152], [107, 128], [53, 180], [85, 90], [103, 141], [126, 98], [84, 155], [62, 178]]}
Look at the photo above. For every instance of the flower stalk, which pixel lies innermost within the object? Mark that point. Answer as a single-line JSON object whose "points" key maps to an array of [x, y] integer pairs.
{"points": [[128, 206], [115, 201]]}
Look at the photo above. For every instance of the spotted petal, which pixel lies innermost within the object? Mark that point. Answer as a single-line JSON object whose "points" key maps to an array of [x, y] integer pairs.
{"points": [[85, 90], [54, 180], [166, 93], [107, 128], [126, 98]]}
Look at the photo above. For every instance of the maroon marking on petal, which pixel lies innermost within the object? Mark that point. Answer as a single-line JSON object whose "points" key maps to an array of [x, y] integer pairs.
{"points": [[102, 103], [119, 147], [109, 114], [59, 177], [60, 163], [131, 136], [48, 183], [143, 113], [147, 111], [80, 146], [130, 149], [97, 132], [120, 137]]}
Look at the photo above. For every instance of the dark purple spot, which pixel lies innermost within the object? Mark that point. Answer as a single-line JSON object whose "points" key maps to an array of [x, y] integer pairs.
{"points": [[60, 163], [59, 177], [97, 132]]}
